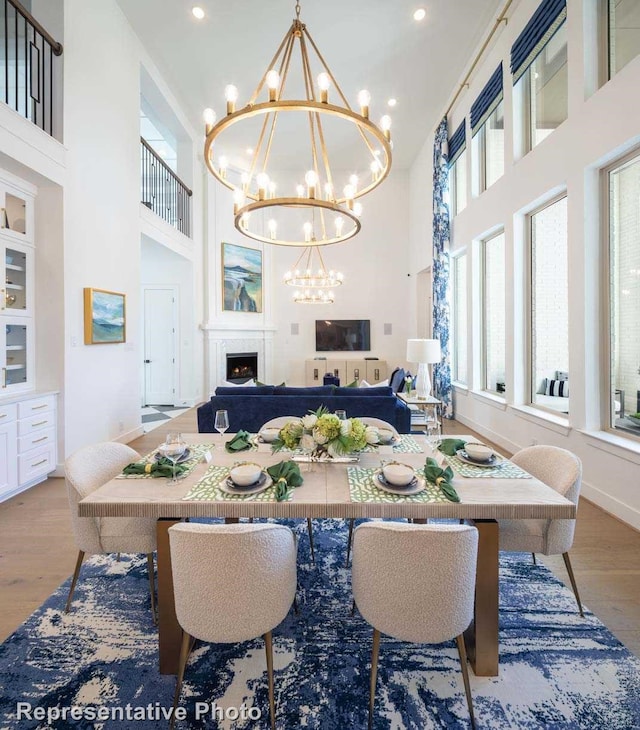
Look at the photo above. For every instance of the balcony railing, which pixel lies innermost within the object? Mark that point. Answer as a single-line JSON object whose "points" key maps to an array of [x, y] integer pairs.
{"points": [[163, 191], [27, 82]]}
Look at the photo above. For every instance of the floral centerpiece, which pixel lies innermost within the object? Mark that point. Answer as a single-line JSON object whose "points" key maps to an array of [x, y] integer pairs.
{"points": [[323, 434]]}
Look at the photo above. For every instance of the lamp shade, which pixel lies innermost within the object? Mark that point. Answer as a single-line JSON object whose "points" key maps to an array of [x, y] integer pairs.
{"points": [[423, 351]]}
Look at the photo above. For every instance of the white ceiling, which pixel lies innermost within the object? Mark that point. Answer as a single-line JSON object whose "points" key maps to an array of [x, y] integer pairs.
{"points": [[373, 44]]}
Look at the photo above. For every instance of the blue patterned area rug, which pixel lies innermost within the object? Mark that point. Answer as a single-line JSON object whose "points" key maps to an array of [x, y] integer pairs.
{"points": [[557, 670]]}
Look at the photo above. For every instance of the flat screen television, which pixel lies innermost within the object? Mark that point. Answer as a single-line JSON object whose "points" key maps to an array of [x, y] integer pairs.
{"points": [[334, 335]]}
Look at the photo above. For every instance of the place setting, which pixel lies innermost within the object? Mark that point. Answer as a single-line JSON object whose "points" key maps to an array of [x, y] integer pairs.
{"points": [[474, 459], [173, 459]]}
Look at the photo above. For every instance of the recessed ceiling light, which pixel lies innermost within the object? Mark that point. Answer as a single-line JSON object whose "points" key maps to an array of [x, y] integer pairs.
{"points": [[198, 12], [392, 102], [249, 150], [420, 14]]}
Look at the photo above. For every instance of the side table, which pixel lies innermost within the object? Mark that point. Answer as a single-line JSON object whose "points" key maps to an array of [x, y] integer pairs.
{"points": [[430, 407]]}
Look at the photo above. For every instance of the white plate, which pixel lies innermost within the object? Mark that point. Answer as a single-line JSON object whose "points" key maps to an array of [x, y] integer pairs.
{"points": [[414, 487], [494, 462], [183, 457], [263, 483]]}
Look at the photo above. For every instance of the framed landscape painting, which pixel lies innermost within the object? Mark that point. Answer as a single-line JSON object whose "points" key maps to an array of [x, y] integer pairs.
{"points": [[104, 317], [242, 279]]}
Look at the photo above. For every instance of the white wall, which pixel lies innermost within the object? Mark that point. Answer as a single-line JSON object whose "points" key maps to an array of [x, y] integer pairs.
{"points": [[602, 125], [377, 284]]}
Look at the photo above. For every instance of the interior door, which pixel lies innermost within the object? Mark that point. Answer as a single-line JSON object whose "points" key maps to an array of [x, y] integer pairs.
{"points": [[160, 318]]}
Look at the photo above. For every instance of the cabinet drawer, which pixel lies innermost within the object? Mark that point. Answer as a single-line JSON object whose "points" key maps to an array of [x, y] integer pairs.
{"points": [[37, 463], [39, 422], [8, 413], [36, 440], [36, 405]]}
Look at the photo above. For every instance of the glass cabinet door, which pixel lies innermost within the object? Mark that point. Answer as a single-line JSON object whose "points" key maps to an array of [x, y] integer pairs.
{"points": [[15, 289], [15, 345]]}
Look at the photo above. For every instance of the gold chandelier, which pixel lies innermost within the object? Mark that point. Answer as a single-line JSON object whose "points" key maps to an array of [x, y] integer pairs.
{"points": [[309, 296], [318, 209], [305, 276]]}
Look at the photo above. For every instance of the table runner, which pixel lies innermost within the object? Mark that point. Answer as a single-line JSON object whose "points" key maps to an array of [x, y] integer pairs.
{"points": [[362, 489], [197, 452], [507, 470], [207, 489]]}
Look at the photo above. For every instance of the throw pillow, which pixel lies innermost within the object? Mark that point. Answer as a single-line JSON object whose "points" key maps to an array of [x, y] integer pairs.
{"points": [[559, 388], [259, 384], [248, 384], [364, 384], [542, 388], [352, 385]]}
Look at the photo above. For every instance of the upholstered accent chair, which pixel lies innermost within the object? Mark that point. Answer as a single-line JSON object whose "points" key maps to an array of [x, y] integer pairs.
{"points": [[415, 583], [87, 470], [562, 471], [232, 583]]}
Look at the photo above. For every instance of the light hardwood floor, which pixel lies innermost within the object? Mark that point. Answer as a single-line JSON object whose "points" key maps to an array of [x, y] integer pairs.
{"points": [[37, 551]]}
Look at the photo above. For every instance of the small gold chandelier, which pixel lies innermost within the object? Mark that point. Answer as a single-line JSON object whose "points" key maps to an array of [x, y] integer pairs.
{"points": [[313, 212], [304, 275]]}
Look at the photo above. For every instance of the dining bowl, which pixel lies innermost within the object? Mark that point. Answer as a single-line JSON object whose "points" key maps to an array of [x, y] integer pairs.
{"points": [[245, 474], [398, 474], [385, 435], [478, 451], [269, 434]]}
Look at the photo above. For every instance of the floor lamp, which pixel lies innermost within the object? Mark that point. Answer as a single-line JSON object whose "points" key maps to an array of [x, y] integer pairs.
{"points": [[425, 353]]}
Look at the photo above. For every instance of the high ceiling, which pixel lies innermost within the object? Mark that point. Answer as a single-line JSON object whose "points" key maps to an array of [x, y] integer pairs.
{"points": [[373, 44]]}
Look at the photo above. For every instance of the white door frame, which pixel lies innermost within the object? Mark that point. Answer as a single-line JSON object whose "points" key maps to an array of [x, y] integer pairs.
{"points": [[176, 339]]}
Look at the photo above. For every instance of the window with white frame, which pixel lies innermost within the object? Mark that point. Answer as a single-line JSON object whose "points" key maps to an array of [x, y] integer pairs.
{"points": [[487, 127], [459, 319], [458, 184], [549, 307], [623, 33], [624, 296], [539, 67], [493, 314]]}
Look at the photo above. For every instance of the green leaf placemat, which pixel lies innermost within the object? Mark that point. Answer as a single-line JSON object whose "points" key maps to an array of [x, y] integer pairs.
{"points": [[508, 470], [196, 457], [362, 488], [207, 489]]}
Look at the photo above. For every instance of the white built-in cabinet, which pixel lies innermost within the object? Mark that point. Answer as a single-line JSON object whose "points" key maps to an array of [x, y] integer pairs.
{"points": [[28, 437], [373, 371]]}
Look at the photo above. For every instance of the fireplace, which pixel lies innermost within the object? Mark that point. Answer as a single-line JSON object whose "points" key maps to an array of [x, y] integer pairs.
{"points": [[242, 366]]}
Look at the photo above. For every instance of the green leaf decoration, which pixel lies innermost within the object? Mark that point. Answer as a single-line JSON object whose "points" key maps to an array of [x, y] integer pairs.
{"points": [[286, 476], [450, 446], [240, 442], [441, 478]]}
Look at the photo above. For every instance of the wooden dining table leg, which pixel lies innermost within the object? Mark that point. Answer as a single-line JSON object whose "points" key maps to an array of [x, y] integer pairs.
{"points": [[169, 631], [481, 638]]}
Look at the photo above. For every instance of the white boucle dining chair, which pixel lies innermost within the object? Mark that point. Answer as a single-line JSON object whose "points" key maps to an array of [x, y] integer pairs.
{"points": [[87, 470], [231, 583], [415, 583], [561, 470]]}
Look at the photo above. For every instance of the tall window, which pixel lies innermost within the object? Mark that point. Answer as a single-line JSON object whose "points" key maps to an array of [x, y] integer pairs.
{"points": [[624, 295], [487, 127], [459, 319], [539, 67], [623, 27], [493, 314], [458, 184], [549, 304]]}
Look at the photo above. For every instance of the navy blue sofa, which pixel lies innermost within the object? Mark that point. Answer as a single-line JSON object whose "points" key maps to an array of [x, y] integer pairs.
{"points": [[250, 408]]}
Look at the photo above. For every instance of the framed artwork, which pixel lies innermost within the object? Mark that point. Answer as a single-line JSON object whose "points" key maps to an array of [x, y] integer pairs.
{"points": [[242, 279], [104, 317]]}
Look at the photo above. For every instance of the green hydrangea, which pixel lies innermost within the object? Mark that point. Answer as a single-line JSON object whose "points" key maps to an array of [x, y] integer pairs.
{"points": [[358, 436], [328, 425], [290, 434]]}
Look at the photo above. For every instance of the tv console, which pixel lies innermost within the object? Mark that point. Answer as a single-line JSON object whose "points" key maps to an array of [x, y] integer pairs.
{"points": [[373, 371]]}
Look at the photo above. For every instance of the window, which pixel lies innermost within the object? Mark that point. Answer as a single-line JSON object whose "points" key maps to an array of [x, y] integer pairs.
{"points": [[624, 295], [459, 319], [489, 145], [493, 314], [458, 184], [549, 307], [623, 27]]}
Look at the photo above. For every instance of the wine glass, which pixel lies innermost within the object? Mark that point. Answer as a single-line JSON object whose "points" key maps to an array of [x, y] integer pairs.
{"points": [[221, 424], [173, 448], [342, 415]]}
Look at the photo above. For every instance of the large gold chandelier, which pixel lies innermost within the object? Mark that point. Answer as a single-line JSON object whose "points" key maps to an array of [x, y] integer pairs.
{"points": [[318, 209]]}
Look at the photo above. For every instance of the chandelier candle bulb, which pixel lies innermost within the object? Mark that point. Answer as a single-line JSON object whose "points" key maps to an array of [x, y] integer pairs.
{"points": [[263, 184], [308, 228], [328, 191], [245, 179], [238, 201], [273, 227], [312, 180], [273, 81], [300, 191], [364, 99], [353, 180], [231, 95], [324, 82], [339, 222], [223, 166], [272, 189], [209, 119], [385, 126]]}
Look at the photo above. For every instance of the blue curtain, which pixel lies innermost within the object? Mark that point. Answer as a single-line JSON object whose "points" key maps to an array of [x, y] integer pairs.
{"points": [[442, 372]]}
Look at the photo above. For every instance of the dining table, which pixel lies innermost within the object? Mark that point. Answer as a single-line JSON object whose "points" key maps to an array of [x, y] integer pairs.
{"points": [[334, 489]]}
